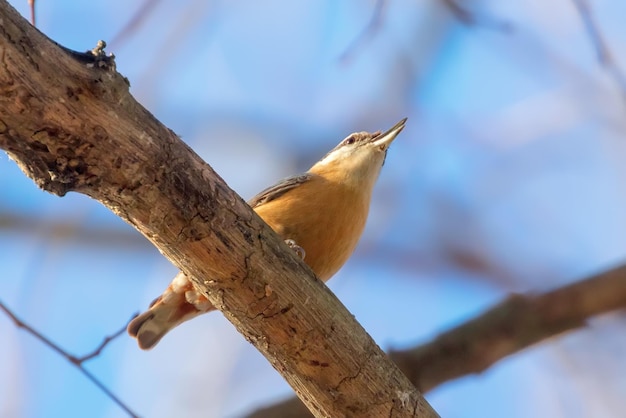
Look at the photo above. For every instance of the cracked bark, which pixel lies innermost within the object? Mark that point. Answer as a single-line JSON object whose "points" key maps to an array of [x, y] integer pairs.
{"points": [[507, 328], [73, 126]]}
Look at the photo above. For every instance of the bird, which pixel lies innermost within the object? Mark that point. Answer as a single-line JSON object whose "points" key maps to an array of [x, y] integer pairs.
{"points": [[320, 214]]}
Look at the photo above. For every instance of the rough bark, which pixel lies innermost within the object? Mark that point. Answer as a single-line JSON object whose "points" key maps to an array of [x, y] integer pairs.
{"points": [[73, 126], [515, 324]]}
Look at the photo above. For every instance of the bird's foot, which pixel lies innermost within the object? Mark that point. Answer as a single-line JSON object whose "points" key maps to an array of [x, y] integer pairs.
{"points": [[298, 249]]}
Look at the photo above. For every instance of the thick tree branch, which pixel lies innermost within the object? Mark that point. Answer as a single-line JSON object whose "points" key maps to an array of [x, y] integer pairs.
{"points": [[75, 127], [511, 326]]}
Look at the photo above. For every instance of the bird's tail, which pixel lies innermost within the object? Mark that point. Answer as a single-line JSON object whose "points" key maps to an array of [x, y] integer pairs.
{"points": [[179, 303]]}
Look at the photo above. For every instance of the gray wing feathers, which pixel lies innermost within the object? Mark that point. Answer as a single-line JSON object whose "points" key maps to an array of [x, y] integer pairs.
{"points": [[279, 189]]}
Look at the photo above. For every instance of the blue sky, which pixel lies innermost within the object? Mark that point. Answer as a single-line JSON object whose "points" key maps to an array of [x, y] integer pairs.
{"points": [[508, 177]]}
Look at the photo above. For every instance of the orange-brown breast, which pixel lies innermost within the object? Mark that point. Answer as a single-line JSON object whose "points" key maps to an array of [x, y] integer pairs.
{"points": [[325, 218]]}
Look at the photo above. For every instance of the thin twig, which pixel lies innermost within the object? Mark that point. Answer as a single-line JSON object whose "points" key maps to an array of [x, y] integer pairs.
{"points": [[461, 13], [368, 32], [98, 350], [470, 19], [135, 21], [76, 361], [605, 56]]}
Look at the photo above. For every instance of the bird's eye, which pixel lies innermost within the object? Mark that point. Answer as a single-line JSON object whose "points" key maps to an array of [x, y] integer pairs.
{"points": [[350, 140]]}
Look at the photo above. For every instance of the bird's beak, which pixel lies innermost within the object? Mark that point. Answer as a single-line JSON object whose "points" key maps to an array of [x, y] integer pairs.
{"points": [[385, 139]]}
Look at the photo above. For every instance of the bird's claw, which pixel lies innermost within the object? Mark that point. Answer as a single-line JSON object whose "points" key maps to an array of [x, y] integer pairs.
{"points": [[298, 249]]}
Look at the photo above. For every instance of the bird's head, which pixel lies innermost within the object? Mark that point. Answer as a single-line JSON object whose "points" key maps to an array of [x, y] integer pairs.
{"points": [[357, 159]]}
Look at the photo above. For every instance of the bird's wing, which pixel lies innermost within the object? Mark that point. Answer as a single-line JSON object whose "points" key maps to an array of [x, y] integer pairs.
{"points": [[279, 189]]}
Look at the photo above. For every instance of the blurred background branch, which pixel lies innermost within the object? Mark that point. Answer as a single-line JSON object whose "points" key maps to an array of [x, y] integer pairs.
{"points": [[368, 32], [465, 15], [605, 56]]}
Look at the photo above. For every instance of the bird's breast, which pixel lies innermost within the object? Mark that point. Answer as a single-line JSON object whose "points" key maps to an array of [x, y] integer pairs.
{"points": [[323, 218]]}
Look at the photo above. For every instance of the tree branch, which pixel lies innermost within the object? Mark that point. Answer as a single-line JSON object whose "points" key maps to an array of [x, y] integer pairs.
{"points": [[603, 52], [76, 361], [513, 325], [368, 32], [135, 22], [469, 18], [72, 126]]}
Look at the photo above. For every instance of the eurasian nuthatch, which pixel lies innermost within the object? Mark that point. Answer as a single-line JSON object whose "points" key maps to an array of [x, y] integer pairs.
{"points": [[321, 214]]}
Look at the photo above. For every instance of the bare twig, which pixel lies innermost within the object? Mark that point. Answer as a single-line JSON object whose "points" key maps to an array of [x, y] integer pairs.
{"points": [[470, 19], [374, 24], [517, 323], [136, 21], [76, 361], [95, 353], [368, 32], [605, 56]]}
